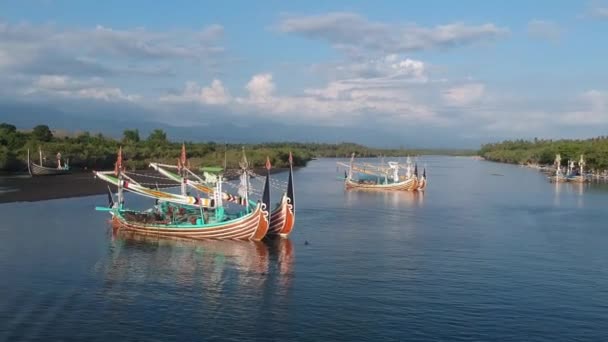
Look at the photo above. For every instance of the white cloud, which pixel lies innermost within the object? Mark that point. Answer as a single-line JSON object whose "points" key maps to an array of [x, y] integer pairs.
{"points": [[355, 34], [594, 110], [464, 95], [215, 94], [544, 30], [391, 66], [260, 88], [65, 86], [99, 51]]}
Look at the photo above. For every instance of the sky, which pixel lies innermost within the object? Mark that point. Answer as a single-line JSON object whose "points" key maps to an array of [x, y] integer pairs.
{"points": [[384, 73]]}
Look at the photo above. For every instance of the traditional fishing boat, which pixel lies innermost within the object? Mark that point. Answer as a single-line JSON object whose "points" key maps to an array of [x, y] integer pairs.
{"points": [[282, 218], [559, 176], [366, 176], [183, 215], [579, 175], [41, 170]]}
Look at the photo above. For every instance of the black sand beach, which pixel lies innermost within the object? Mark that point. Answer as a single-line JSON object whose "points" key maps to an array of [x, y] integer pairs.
{"points": [[25, 188]]}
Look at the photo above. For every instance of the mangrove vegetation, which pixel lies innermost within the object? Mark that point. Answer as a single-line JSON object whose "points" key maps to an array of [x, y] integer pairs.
{"points": [[540, 151], [87, 151]]}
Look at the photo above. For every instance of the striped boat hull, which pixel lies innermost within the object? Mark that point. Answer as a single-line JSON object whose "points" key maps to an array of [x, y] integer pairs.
{"points": [[282, 219], [407, 185], [253, 226], [422, 184]]}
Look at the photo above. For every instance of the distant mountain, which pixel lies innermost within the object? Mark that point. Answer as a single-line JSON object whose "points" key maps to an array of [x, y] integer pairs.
{"points": [[112, 123]]}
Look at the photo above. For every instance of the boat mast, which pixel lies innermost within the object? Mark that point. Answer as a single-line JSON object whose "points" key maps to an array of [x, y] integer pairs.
{"points": [[350, 167], [29, 168], [266, 192], [118, 172], [244, 164], [290, 189], [219, 207], [182, 169]]}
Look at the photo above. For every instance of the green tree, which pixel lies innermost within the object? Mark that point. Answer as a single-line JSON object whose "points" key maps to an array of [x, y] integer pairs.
{"points": [[130, 135], [7, 128], [42, 133], [158, 136]]}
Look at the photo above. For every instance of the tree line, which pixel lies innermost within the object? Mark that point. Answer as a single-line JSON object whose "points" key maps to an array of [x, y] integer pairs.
{"points": [[543, 151], [87, 151]]}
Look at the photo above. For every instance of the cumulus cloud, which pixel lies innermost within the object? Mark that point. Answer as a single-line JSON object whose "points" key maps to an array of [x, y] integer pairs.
{"points": [[260, 88], [353, 33], [544, 30], [341, 102], [215, 94]]}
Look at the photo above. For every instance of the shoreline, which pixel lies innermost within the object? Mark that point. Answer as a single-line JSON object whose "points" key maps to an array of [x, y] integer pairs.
{"points": [[25, 188]]}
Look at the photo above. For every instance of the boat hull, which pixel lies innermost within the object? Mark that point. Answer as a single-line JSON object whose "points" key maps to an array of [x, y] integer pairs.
{"points": [[421, 184], [37, 170], [253, 226], [407, 185], [282, 219]]}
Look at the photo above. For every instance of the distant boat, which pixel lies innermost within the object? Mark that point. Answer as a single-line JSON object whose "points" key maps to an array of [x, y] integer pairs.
{"points": [[580, 178], [559, 176], [41, 170], [381, 177]]}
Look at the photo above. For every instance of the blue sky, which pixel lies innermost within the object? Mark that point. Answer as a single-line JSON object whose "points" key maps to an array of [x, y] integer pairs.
{"points": [[395, 72]]}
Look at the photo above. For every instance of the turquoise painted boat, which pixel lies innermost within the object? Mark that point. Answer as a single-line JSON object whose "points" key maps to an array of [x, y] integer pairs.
{"points": [[183, 215]]}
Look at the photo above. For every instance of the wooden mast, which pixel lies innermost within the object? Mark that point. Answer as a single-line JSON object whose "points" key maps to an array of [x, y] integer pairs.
{"points": [[29, 168], [118, 172]]}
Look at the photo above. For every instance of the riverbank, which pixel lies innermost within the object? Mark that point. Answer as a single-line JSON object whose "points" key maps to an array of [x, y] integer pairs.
{"points": [[25, 188]]}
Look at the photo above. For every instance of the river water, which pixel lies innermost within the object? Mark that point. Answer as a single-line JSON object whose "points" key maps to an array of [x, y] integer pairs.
{"points": [[490, 252]]}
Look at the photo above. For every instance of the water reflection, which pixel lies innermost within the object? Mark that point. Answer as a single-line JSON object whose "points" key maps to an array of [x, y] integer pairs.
{"points": [[396, 199], [212, 268], [570, 189]]}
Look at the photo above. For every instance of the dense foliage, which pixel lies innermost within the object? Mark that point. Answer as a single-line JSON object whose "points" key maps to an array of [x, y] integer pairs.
{"points": [[88, 151], [544, 151]]}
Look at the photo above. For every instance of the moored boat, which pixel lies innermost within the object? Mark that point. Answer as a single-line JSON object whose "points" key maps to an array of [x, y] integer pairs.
{"points": [[183, 215], [41, 170], [282, 217], [383, 178]]}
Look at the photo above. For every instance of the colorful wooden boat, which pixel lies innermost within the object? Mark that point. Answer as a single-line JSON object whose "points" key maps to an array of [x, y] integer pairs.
{"points": [[282, 218], [252, 226], [177, 215], [41, 170], [383, 178]]}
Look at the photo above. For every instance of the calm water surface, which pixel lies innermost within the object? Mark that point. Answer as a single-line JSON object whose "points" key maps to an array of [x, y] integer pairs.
{"points": [[490, 252]]}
